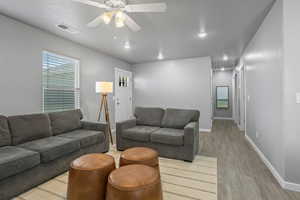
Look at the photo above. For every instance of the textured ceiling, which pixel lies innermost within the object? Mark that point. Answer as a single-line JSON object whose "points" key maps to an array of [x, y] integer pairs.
{"points": [[230, 24]]}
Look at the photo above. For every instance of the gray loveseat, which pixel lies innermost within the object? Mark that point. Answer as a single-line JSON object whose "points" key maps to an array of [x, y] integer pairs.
{"points": [[174, 133], [35, 148]]}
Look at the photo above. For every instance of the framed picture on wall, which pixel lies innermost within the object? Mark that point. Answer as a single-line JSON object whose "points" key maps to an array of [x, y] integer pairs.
{"points": [[222, 97]]}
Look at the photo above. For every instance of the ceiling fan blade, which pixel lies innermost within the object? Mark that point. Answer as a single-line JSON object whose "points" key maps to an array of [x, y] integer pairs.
{"points": [[96, 22], [131, 23], [151, 7], [92, 3]]}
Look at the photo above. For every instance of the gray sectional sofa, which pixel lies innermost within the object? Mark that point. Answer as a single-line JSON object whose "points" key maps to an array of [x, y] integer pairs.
{"points": [[174, 133], [35, 148]]}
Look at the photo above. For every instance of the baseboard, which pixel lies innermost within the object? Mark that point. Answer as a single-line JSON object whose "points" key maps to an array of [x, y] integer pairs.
{"points": [[292, 186], [223, 118], [284, 184], [204, 130]]}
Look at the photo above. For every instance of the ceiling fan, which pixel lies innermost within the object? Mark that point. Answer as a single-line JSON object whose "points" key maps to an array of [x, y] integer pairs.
{"points": [[118, 10]]}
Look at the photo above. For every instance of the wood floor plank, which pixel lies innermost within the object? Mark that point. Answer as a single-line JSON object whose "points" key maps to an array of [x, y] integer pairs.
{"points": [[55, 187], [209, 187], [188, 192], [203, 163], [170, 196], [189, 167], [37, 194], [187, 174]]}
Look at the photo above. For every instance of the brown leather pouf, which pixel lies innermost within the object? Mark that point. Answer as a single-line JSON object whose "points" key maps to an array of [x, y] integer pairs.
{"points": [[140, 155], [88, 177], [134, 182]]}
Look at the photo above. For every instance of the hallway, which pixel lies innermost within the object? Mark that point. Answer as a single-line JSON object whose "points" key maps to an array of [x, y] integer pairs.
{"points": [[241, 173]]}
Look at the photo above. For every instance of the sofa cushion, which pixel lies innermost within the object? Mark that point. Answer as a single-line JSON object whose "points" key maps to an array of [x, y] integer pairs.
{"points": [[52, 148], [179, 118], [168, 136], [85, 137], [5, 138], [15, 160], [139, 133], [65, 121], [149, 116], [25, 128]]}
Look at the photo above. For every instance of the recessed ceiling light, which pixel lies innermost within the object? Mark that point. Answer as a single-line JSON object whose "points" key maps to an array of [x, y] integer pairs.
{"points": [[222, 69], [225, 57], [160, 56], [115, 37], [127, 45], [202, 34]]}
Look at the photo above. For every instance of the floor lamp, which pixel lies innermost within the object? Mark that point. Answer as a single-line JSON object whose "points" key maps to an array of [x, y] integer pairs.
{"points": [[105, 88]]}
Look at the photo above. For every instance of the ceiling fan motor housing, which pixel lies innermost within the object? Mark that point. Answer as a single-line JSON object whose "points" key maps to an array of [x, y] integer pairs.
{"points": [[116, 3]]}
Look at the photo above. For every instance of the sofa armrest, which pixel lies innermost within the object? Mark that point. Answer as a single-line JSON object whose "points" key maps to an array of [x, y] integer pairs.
{"points": [[95, 126], [126, 124], [189, 133], [191, 136]]}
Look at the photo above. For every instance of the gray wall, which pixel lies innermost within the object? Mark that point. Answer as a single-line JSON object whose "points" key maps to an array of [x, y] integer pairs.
{"points": [[21, 49], [176, 83], [222, 78], [291, 83], [263, 61]]}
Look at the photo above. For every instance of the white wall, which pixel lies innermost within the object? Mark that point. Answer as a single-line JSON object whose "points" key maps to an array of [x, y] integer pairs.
{"points": [[176, 83], [291, 84], [263, 62], [21, 49], [222, 78]]}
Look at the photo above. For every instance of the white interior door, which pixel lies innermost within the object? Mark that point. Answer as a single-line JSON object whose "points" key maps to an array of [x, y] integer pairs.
{"points": [[123, 95]]}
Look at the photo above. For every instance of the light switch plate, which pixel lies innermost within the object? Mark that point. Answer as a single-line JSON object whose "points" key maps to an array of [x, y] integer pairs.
{"points": [[298, 98]]}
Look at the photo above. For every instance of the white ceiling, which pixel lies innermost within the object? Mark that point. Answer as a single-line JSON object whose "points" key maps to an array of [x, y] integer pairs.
{"points": [[230, 24]]}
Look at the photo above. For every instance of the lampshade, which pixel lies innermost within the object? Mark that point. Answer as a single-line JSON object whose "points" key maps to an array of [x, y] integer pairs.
{"points": [[104, 87]]}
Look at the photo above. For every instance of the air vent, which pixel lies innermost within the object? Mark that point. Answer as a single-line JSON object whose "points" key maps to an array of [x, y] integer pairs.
{"points": [[62, 26], [67, 28]]}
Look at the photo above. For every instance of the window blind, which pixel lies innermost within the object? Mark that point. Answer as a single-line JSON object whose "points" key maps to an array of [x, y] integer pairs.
{"points": [[61, 89]]}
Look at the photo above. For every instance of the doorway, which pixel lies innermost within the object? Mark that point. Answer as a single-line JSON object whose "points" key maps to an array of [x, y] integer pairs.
{"points": [[123, 95]]}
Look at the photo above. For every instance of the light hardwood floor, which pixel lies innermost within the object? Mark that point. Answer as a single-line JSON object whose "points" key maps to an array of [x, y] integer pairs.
{"points": [[241, 173]]}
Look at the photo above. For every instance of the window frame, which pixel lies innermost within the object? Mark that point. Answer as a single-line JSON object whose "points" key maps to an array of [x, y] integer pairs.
{"points": [[228, 98], [76, 76]]}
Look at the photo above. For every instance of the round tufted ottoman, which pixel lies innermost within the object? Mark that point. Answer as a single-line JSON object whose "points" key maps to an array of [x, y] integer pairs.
{"points": [[88, 177], [134, 182], [140, 155]]}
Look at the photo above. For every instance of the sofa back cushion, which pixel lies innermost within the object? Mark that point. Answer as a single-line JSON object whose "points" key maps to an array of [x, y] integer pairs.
{"points": [[149, 116], [65, 121], [179, 118], [25, 128], [5, 137]]}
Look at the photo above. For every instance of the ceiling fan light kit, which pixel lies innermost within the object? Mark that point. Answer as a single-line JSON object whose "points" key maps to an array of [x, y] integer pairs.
{"points": [[118, 10]]}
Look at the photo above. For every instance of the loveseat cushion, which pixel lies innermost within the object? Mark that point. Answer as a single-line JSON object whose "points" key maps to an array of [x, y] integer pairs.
{"points": [[25, 128], [168, 136], [65, 121], [5, 138], [52, 148], [85, 137], [15, 160], [179, 118], [149, 116], [139, 133]]}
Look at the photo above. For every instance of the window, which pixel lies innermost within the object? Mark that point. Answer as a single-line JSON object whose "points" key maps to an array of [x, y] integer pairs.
{"points": [[60, 83], [222, 97]]}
